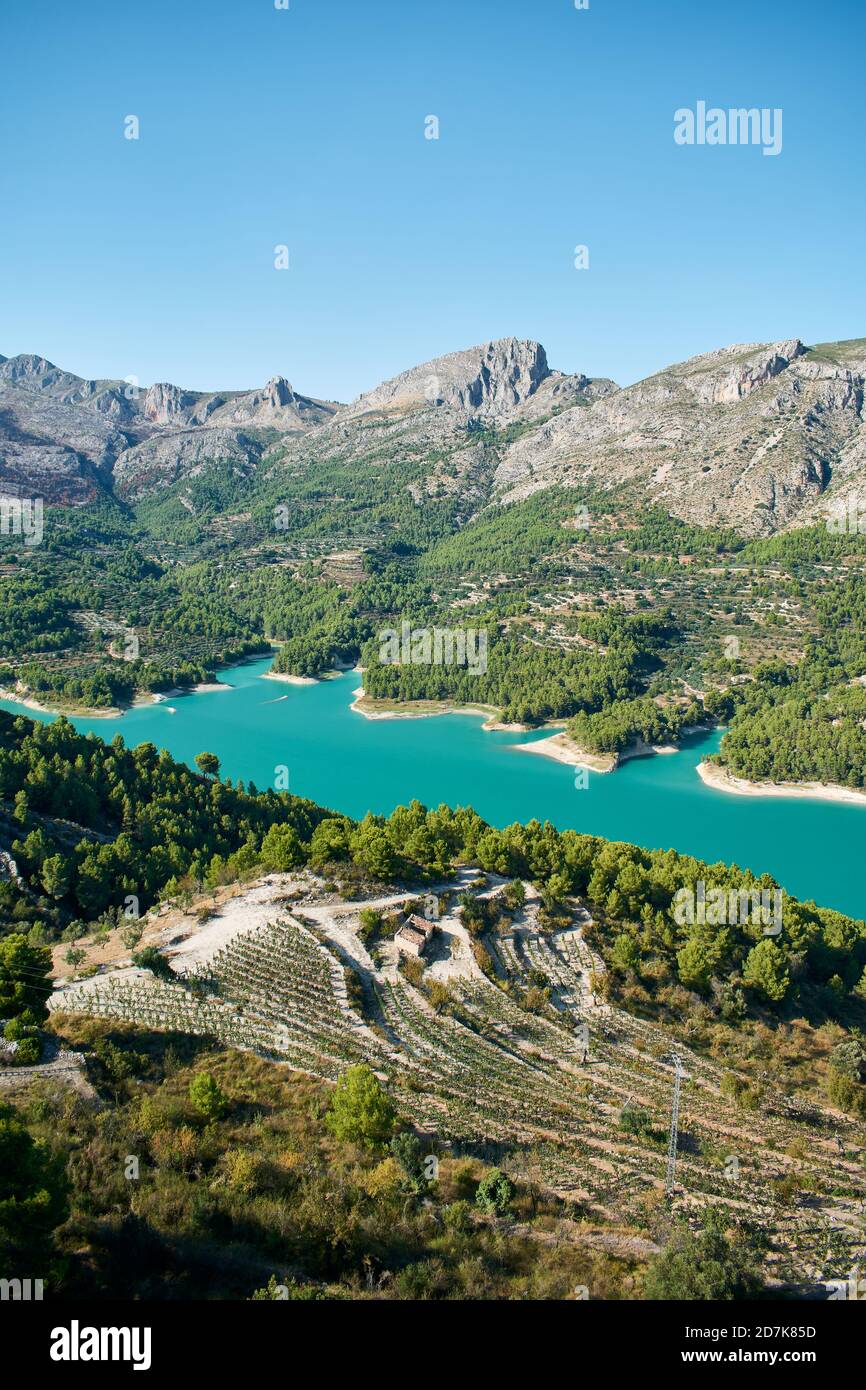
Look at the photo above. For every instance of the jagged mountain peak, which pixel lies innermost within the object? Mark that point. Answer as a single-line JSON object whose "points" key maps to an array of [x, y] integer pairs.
{"points": [[28, 369], [491, 379], [67, 439], [786, 349], [749, 436], [732, 373], [757, 436], [164, 403]]}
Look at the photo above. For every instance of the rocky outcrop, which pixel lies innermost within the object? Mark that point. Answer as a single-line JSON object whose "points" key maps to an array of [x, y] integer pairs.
{"points": [[63, 437], [492, 380], [276, 406], [732, 374], [38, 374], [750, 436], [59, 476], [49, 447], [165, 404], [558, 392], [42, 381], [164, 459]]}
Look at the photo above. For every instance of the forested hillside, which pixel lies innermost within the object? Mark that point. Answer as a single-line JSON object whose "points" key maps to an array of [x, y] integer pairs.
{"points": [[444, 1189], [89, 824], [629, 623]]}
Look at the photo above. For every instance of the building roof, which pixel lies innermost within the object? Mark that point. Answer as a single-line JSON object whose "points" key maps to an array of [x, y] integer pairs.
{"points": [[416, 923], [418, 938]]}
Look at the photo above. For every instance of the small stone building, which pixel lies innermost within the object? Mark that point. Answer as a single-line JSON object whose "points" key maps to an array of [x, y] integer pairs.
{"points": [[414, 934]]}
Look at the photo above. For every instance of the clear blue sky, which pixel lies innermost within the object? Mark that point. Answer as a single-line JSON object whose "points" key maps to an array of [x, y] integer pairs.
{"points": [[306, 127]]}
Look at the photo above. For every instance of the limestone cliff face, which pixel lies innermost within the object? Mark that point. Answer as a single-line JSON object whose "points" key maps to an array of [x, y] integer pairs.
{"points": [[275, 406], [492, 380], [172, 456], [59, 435], [209, 430], [750, 436], [732, 374], [63, 437], [165, 404], [38, 374], [428, 419]]}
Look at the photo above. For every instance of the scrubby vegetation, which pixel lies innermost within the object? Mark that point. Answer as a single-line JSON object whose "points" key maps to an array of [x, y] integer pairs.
{"points": [[261, 1197]]}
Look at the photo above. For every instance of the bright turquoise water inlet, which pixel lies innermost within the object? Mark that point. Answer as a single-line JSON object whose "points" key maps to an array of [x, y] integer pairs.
{"points": [[342, 760]]}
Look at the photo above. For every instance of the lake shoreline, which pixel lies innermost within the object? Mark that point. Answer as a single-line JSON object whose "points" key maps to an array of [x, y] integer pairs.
{"points": [[373, 709], [563, 749], [158, 697], [142, 701], [356, 766], [712, 775], [289, 680], [69, 711]]}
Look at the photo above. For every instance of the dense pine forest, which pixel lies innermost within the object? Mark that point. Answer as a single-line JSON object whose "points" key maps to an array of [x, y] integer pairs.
{"points": [[623, 620]]}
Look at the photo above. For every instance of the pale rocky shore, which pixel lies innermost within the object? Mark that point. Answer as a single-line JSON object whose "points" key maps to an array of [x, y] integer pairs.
{"points": [[289, 680], [712, 775], [113, 711], [79, 711], [565, 750], [203, 688], [427, 709]]}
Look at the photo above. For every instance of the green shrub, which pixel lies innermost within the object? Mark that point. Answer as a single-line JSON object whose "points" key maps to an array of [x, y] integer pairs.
{"points": [[495, 1192], [410, 1154], [20, 1027], [361, 1111], [153, 960], [28, 1051], [207, 1097], [458, 1216], [707, 1265]]}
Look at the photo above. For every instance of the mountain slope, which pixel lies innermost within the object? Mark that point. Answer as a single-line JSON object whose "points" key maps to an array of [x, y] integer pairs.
{"points": [[750, 436], [430, 435], [492, 381], [61, 437], [760, 437]]}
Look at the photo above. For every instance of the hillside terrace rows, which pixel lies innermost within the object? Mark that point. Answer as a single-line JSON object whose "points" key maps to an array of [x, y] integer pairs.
{"points": [[486, 1073]]}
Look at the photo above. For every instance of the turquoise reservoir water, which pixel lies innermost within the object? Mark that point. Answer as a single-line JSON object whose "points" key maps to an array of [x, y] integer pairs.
{"points": [[353, 764]]}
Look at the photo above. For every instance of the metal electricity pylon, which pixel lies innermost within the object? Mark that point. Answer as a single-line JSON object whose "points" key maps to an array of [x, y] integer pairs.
{"points": [[675, 1120]]}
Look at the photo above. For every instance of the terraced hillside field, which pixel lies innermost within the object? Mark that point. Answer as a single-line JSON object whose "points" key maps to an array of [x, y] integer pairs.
{"points": [[574, 1093]]}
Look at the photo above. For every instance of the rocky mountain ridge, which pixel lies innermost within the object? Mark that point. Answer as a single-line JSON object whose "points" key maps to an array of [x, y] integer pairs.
{"points": [[67, 439], [493, 382], [757, 436]]}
